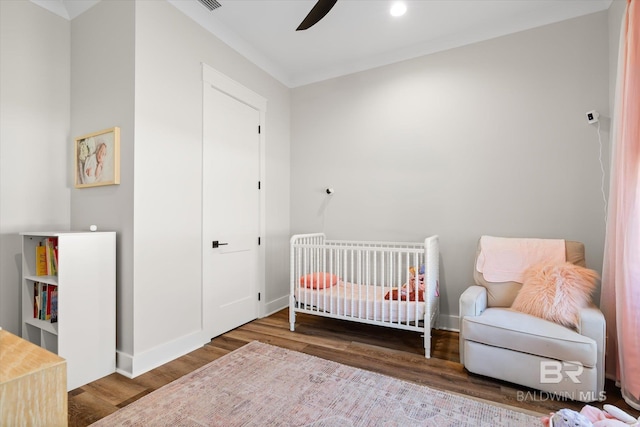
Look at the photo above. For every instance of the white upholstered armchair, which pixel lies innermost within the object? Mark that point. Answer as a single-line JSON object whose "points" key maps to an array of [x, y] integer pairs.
{"points": [[500, 342]]}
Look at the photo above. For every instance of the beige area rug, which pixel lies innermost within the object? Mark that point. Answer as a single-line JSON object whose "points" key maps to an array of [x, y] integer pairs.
{"points": [[263, 385]]}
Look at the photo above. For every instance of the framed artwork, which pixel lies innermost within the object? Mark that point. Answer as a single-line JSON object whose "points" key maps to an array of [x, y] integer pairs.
{"points": [[97, 158]]}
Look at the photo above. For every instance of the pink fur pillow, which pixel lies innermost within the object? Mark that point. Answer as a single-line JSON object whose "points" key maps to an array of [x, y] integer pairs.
{"points": [[556, 292]]}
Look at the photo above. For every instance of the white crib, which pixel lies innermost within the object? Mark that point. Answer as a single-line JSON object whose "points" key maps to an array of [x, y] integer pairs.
{"points": [[356, 281]]}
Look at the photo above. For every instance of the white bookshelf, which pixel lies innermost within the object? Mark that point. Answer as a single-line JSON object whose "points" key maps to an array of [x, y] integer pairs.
{"points": [[85, 333]]}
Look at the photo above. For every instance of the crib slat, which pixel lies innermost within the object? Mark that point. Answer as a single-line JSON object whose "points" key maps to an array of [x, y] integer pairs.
{"points": [[375, 280]]}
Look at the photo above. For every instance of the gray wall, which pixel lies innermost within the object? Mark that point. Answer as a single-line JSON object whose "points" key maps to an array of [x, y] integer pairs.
{"points": [[35, 162], [102, 96], [616, 14], [489, 138], [148, 81], [63, 79]]}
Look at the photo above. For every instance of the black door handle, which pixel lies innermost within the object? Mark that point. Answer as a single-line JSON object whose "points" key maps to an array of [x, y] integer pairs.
{"points": [[216, 244]]}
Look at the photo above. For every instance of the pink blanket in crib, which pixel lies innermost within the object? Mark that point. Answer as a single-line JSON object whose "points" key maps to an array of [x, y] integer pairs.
{"points": [[504, 259]]}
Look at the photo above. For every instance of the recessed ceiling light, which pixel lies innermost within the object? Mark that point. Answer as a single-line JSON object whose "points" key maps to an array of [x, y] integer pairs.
{"points": [[398, 9]]}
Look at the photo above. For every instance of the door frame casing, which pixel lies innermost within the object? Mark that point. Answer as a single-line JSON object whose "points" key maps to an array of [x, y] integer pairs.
{"points": [[217, 80]]}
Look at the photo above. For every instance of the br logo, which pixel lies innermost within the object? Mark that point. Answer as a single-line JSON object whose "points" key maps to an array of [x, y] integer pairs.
{"points": [[553, 372]]}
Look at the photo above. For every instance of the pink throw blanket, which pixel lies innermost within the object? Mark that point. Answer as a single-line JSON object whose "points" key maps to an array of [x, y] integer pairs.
{"points": [[504, 259]]}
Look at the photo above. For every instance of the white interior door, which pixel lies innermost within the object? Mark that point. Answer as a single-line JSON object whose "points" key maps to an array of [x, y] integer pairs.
{"points": [[231, 212]]}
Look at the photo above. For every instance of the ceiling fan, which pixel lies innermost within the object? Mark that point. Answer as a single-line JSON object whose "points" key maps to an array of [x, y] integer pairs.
{"points": [[321, 8]]}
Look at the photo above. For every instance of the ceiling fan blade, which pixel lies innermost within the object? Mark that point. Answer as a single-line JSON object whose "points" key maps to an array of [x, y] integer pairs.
{"points": [[318, 12]]}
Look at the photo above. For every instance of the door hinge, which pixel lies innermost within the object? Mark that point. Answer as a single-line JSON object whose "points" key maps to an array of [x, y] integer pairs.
{"points": [[258, 185], [258, 241], [258, 128], [258, 296]]}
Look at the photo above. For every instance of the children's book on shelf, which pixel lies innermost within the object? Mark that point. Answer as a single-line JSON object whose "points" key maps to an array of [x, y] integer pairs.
{"points": [[50, 289], [51, 244], [54, 304], [45, 302], [40, 299], [41, 260], [36, 300]]}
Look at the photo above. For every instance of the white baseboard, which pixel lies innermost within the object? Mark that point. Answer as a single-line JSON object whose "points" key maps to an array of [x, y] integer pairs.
{"points": [[275, 305], [448, 323], [133, 365]]}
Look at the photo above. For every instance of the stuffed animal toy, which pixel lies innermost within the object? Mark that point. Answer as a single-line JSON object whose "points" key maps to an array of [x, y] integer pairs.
{"points": [[568, 418], [591, 416], [409, 291], [412, 279]]}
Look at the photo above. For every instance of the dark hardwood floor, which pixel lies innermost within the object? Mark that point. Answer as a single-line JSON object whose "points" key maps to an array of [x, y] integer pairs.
{"points": [[391, 352]]}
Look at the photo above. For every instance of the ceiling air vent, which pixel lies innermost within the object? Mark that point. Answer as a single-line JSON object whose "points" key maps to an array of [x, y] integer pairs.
{"points": [[210, 4]]}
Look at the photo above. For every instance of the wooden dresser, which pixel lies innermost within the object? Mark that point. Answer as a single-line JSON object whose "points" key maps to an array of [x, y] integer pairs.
{"points": [[33, 384]]}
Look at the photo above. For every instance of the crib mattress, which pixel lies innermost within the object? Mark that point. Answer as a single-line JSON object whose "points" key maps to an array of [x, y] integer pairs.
{"points": [[360, 301]]}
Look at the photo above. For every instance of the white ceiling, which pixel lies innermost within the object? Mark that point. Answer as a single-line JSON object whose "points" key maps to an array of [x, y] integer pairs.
{"points": [[356, 34], [68, 9]]}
